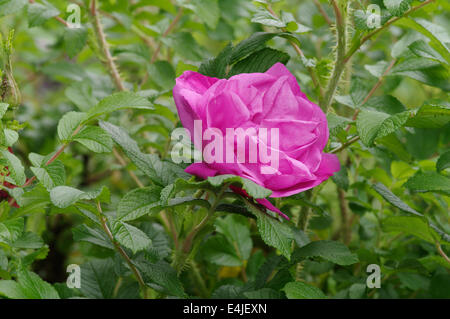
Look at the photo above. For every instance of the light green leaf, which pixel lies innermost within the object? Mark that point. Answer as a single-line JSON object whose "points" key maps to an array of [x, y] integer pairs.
{"points": [[163, 74], [438, 35], [74, 40], [409, 225], [130, 236], [372, 125], [11, 6], [397, 7], [253, 189], [428, 182], [95, 139], [161, 172], [301, 290], [119, 101], [64, 196], [39, 13], [208, 11], [51, 175], [333, 251], [69, 123], [33, 287], [264, 17], [15, 167], [11, 229]]}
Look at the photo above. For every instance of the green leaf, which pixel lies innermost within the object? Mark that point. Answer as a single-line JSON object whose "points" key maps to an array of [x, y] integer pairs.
{"points": [[119, 101], [428, 182], [236, 230], [301, 290], [98, 279], [80, 93], [443, 162], [410, 225], [208, 11], [392, 199], [64, 196], [160, 172], [430, 116], [11, 230], [422, 49], [15, 167], [185, 44], [397, 7], [252, 189], [10, 288], [95, 139], [74, 40], [163, 74], [3, 108], [333, 251], [217, 67], [130, 236], [264, 293], [51, 175], [161, 277], [39, 13], [264, 17], [438, 35], [68, 124], [139, 202], [372, 125], [273, 232], [219, 251], [33, 287], [260, 61], [336, 123], [91, 235], [33, 201], [11, 6], [250, 45]]}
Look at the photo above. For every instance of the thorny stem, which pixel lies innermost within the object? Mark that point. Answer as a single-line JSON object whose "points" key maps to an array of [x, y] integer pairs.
{"points": [[120, 250], [104, 46], [113, 71], [339, 65]]}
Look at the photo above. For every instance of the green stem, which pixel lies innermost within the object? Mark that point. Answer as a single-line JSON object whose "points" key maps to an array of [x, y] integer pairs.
{"points": [[121, 251]]}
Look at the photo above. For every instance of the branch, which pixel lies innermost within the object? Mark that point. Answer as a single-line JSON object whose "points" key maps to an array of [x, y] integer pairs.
{"points": [[322, 12], [122, 252], [345, 145], [442, 253], [166, 33], [387, 24], [340, 55]]}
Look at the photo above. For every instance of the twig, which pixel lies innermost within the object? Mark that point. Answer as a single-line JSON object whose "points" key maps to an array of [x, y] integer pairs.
{"points": [[57, 18], [104, 46], [166, 33], [387, 24], [442, 253], [122, 162], [120, 250], [345, 145], [297, 49], [372, 91], [322, 12], [339, 65]]}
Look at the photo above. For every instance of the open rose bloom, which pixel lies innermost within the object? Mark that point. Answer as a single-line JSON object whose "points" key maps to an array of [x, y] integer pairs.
{"points": [[260, 100]]}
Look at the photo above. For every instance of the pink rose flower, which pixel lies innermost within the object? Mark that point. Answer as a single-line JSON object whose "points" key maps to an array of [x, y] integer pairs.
{"points": [[260, 100]]}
